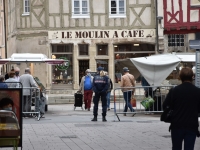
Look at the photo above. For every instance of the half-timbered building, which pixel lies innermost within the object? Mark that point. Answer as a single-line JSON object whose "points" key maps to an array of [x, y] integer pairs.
{"points": [[88, 33]]}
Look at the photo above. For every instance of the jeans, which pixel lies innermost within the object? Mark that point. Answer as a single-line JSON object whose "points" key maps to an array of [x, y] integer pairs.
{"points": [[127, 98], [108, 99], [88, 98], [180, 135], [96, 103]]}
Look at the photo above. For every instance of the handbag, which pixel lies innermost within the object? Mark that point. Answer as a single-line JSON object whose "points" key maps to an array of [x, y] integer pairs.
{"points": [[147, 102], [166, 116], [133, 101]]}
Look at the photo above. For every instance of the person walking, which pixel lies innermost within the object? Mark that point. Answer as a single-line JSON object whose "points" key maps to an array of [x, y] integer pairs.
{"points": [[12, 79], [127, 80], [17, 76], [147, 90], [109, 91], [100, 87], [2, 83], [27, 82], [86, 88], [184, 99]]}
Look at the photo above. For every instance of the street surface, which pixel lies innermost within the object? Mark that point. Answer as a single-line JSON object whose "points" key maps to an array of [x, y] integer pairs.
{"points": [[66, 129]]}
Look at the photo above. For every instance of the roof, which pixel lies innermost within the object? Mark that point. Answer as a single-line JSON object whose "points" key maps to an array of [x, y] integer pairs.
{"points": [[31, 57]]}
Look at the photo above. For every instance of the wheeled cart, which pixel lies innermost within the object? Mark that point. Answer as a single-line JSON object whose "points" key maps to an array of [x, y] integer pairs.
{"points": [[78, 100]]}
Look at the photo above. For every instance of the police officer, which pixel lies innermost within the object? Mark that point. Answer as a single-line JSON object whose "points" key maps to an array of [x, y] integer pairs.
{"points": [[100, 87]]}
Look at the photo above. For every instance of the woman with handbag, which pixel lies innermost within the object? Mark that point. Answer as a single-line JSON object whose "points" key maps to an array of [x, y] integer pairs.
{"points": [[184, 100]]}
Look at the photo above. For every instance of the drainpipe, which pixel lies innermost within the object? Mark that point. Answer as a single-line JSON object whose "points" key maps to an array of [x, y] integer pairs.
{"points": [[5, 37], [157, 36]]}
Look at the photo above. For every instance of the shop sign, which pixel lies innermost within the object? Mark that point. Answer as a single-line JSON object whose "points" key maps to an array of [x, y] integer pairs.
{"points": [[63, 66], [101, 34]]}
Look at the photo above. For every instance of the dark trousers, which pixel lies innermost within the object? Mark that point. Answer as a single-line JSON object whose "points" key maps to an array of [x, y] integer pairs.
{"points": [[26, 103], [180, 135], [96, 103]]}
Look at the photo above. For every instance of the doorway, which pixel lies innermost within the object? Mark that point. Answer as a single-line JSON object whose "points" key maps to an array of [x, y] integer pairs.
{"points": [[83, 66]]}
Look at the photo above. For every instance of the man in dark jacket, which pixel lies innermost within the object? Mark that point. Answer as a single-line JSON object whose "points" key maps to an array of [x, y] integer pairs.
{"points": [[100, 87], [184, 99]]}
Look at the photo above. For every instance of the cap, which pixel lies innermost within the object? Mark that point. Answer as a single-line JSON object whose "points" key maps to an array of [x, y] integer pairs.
{"points": [[17, 69], [100, 68], [125, 69], [88, 70]]}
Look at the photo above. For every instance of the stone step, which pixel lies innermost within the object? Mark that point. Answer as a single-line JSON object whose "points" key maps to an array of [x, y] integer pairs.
{"points": [[68, 99]]}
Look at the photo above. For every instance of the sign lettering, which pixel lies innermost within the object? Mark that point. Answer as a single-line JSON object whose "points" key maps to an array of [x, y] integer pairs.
{"points": [[102, 34]]}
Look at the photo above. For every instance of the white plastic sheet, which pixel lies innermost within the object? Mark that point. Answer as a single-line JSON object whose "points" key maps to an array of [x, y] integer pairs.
{"points": [[156, 68]]}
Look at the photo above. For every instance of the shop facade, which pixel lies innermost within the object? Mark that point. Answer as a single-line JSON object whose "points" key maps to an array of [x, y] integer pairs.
{"points": [[89, 49], [88, 33]]}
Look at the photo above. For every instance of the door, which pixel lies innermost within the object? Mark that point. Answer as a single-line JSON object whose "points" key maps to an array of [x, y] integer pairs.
{"points": [[83, 66]]}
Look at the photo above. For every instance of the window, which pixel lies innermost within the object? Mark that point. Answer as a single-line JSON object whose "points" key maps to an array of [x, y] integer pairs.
{"points": [[80, 8], [197, 36], [103, 63], [83, 49], [62, 73], [102, 49], [26, 7], [68, 48], [175, 40], [117, 8]]}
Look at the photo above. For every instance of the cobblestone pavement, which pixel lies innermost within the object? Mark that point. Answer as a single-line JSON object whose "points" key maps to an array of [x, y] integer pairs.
{"points": [[66, 129]]}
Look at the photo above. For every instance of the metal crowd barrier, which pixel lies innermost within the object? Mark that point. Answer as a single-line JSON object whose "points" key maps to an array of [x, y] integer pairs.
{"points": [[157, 93], [35, 94]]}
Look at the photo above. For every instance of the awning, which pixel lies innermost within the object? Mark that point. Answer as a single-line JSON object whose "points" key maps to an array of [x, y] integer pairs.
{"points": [[155, 68], [186, 57], [32, 58]]}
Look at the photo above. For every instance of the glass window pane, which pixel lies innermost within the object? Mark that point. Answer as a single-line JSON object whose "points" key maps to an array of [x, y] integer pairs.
{"points": [[121, 3], [102, 49], [121, 11], [113, 7], [113, 11], [76, 11], [113, 3], [62, 48], [84, 3], [181, 36], [63, 73], [76, 4], [84, 11], [103, 63], [83, 49]]}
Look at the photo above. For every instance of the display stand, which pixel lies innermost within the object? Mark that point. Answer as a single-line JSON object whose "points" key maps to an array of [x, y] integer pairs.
{"points": [[11, 121], [9, 129]]}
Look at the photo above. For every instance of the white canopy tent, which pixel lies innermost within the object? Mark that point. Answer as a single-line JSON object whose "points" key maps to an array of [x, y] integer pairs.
{"points": [[155, 68], [31, 57]]}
